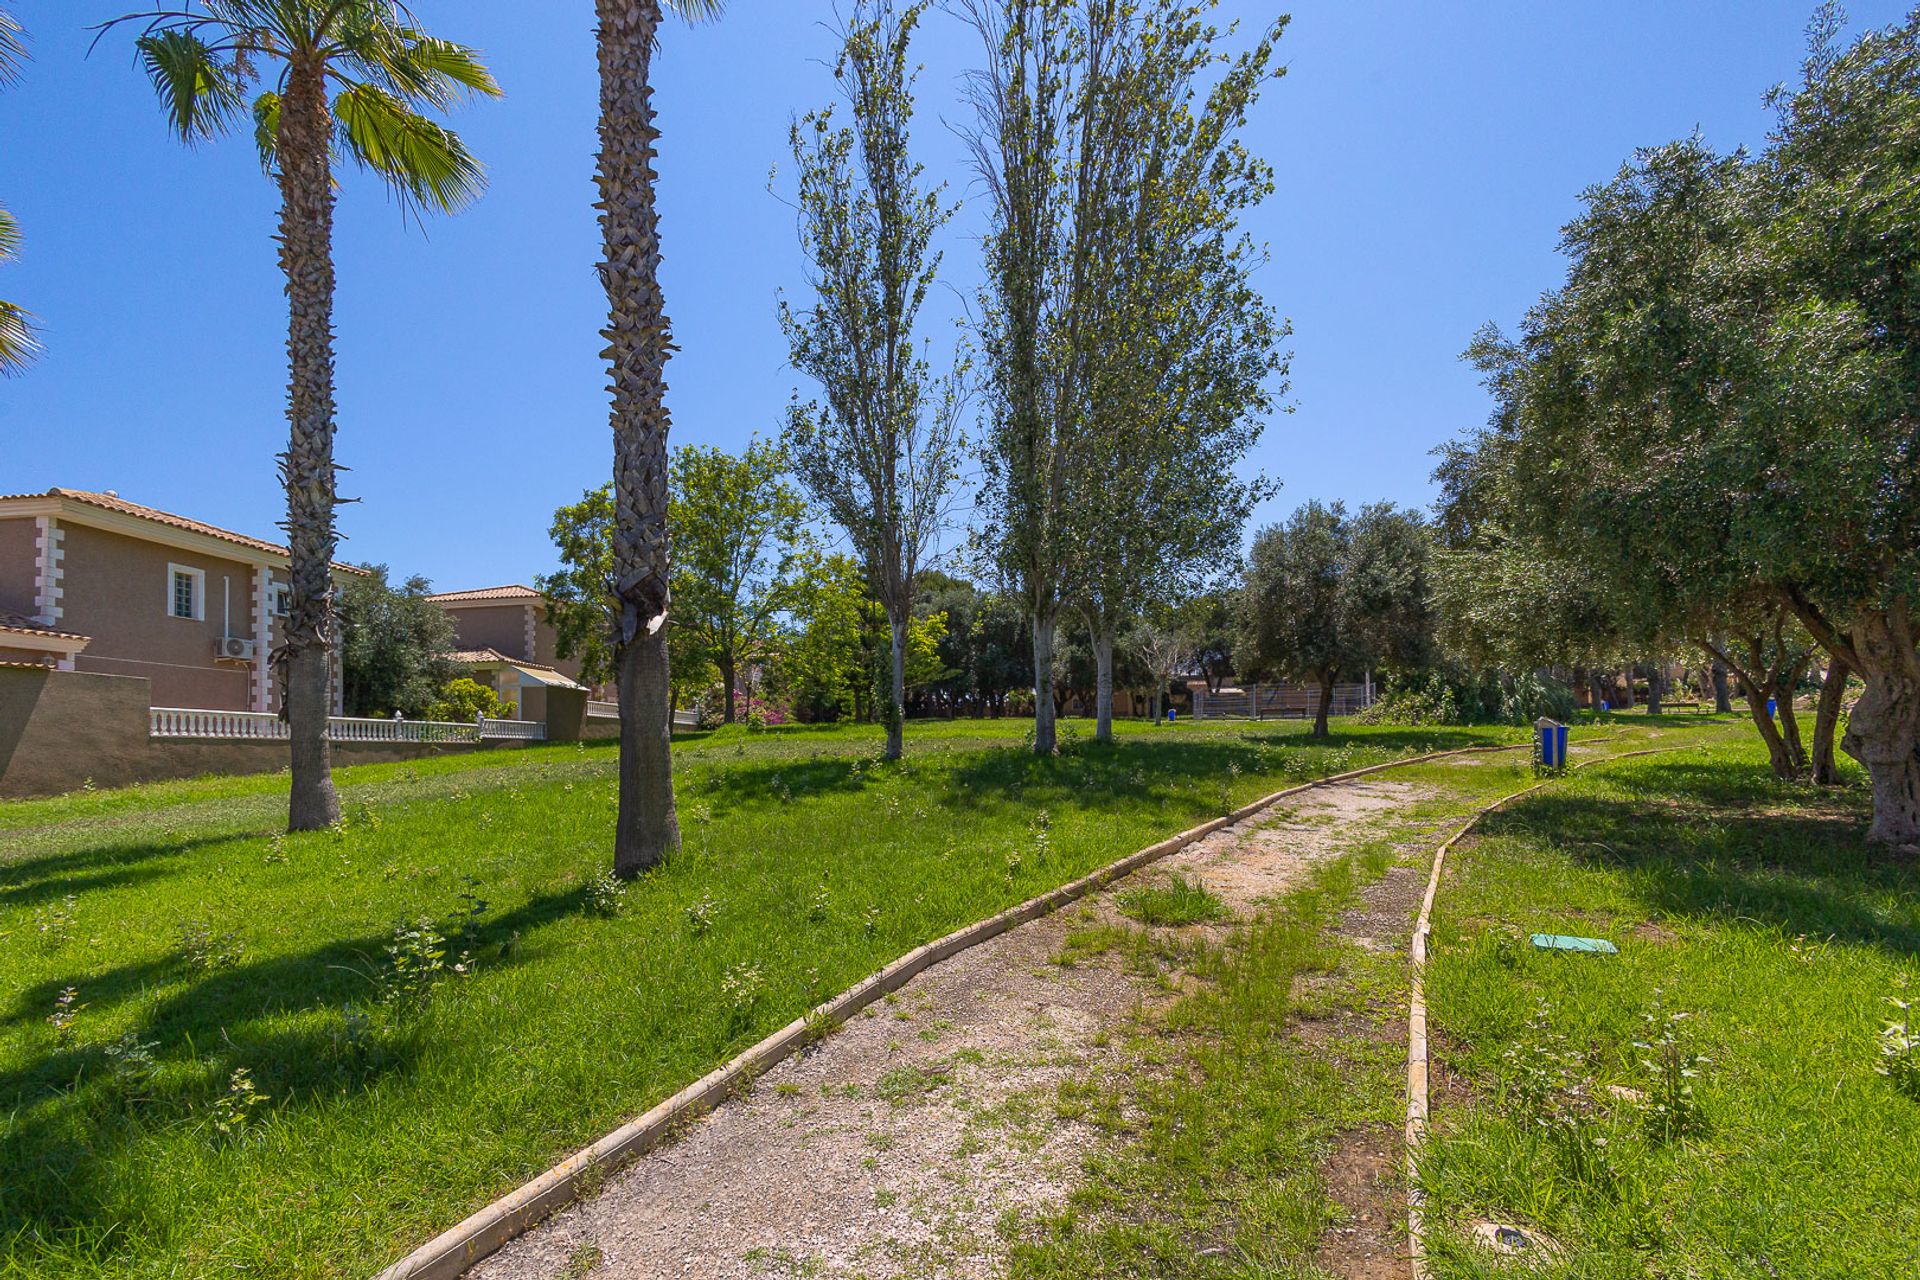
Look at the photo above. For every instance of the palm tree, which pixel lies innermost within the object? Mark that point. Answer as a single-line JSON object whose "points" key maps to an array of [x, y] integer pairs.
{"points": [[18, 346], [639, 340], [345, 77]]}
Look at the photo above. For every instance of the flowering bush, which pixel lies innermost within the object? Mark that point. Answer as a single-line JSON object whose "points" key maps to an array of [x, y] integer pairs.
{"points": [[757, 713]]}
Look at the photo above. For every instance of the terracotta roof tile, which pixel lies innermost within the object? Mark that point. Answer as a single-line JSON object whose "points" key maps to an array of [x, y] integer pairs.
{"points": [[471, 656], [33, 626], [115, 503], [513, 591]]}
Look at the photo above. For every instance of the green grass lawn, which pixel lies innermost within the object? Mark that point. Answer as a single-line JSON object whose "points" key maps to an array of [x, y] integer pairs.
{"points": [[392, 1083], [1753, 913]]}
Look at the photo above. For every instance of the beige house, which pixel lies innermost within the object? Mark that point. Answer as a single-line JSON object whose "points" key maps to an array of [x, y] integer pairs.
{"points": [[92, 582], [506, 643]]}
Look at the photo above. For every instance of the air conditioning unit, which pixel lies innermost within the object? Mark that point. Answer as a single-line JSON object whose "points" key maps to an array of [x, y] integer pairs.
{"points": [[234, 649]]}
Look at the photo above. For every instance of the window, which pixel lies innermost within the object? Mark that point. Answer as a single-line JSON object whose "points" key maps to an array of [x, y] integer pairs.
{"points": [[282, 601], [186, 592]]}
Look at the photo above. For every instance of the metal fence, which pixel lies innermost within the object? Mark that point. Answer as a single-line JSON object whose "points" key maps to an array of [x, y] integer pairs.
{"points": [[1278, 702]]}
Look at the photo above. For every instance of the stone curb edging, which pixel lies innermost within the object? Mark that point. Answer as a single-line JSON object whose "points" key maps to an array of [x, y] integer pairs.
{"points": [[1418, 1106], [450, 1254]]}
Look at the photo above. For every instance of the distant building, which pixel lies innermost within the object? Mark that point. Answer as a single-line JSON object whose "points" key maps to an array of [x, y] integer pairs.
{"points": [[506, 642], [92, 582]]}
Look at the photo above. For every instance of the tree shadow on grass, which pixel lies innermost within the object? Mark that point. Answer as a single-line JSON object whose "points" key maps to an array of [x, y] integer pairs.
{"points": [[54, 875], [1184, 775], [730, 787], [221, 1007], [68, 1123], [1693, 842], [1410, 740]]}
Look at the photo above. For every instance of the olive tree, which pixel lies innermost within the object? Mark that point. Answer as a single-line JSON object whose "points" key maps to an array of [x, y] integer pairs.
{"points": [[1718, 403], [1328, 594]]}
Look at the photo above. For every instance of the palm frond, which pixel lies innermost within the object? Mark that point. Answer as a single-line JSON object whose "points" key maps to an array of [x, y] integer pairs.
{"points": [[18, 345], [9, 236], [424, 162], [200, 94], [266, 129], [13, 48], [696, 10], [416, 67]]}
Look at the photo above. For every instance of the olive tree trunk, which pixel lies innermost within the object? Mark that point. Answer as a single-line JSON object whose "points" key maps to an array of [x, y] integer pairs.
{"points": [[1779, 754], [304, 657], [1885, 725], [1826, 722], [1325, 707], [1722, 695], [638, 342]]}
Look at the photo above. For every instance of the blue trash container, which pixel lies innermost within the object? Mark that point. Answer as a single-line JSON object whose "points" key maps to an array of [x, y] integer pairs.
{"points": [[1770, 708], [1553, 743], [1605, 705], [1172, 715]]}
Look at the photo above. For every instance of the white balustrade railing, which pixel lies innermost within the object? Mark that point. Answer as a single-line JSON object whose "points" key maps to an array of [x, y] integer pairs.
{"points": [[521, 730], [187, 722], [355, 729], [184, 722], [604, 710]]}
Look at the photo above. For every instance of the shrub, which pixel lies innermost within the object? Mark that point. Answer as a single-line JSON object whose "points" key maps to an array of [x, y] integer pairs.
{"points": [[462, 700], [1532, 697], [1900, 1046], [606, 894], [416, 962], [203, 950], [233, 1111], [1669, 1066]]}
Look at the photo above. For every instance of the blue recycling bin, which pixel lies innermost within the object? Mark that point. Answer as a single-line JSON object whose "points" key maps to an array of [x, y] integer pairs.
{"points": [[1770, 708], [1605, 705], [1553, 743], [1172, 715]]}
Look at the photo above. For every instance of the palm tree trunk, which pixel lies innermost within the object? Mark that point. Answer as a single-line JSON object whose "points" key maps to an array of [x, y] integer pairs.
{"points": [[638, 342], [304, 658]]}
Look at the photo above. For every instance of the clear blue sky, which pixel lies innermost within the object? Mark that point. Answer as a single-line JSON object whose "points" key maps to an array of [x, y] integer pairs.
{"points": [[1426, 156]]}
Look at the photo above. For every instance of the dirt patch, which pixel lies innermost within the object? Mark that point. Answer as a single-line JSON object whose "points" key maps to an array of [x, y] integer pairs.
{"points": [[1252, 863], [897, 1144], [1365, 1173], [1653, 934], [1363, 1177]]}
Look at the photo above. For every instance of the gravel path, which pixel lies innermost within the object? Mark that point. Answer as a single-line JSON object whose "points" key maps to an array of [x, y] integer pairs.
{"points": [[894, 1146]]}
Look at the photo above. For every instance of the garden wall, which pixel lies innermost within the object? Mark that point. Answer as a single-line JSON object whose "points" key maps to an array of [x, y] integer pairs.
{"points": [[61, 729]]}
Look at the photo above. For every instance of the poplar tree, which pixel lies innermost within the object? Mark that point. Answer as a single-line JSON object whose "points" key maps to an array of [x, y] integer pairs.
{"points": [[1179, 350], [881, 450]]}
